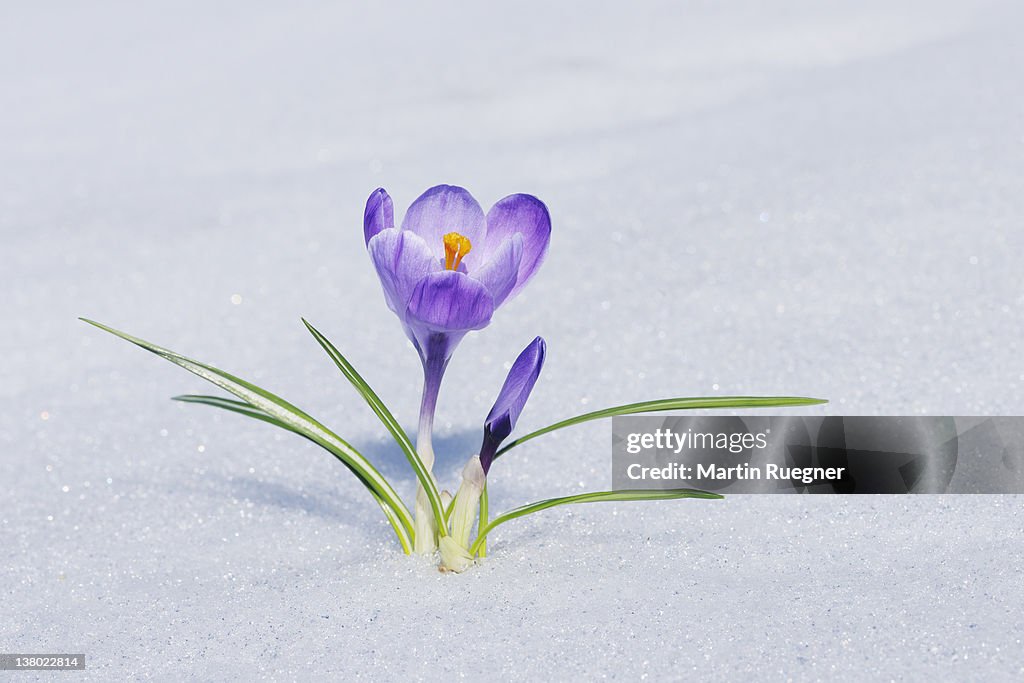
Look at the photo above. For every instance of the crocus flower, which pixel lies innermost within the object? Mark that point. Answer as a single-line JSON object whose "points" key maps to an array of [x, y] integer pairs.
{"points": [[444, 273], [450, 267], [511, 399]]}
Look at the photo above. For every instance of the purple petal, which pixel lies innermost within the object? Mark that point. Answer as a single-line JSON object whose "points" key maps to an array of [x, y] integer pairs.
{"points": [[379, 214], [448, 301], [528, 216], [402, 259], [499, 274], [511, 399], [443, 209]]}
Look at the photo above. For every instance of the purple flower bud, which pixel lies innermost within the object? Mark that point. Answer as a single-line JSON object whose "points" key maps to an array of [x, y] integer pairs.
{"points": [[511, 399]]}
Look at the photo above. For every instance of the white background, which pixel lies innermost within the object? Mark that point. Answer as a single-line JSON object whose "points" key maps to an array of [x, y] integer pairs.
{"points": [[788, 198]]}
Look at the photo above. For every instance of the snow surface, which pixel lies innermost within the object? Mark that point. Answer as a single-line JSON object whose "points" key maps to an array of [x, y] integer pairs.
{"points": [[766, 198]]}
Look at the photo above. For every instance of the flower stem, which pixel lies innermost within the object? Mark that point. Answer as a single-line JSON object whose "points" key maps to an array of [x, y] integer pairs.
{"points": [[435, 361], [433, 372]]}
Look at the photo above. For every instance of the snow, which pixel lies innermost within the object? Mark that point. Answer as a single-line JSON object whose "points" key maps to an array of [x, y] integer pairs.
{"points": [[785, 198]]}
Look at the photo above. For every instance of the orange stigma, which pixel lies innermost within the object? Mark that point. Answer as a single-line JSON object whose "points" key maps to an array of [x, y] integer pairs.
{"points": [[455, 247]]}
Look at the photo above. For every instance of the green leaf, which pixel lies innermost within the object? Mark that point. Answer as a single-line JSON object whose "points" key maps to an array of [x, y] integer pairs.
{"points": [[294, 420], [389, 421], [594, 497], [670, 404], [484, 518], [448, 511], [239, 407]]}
